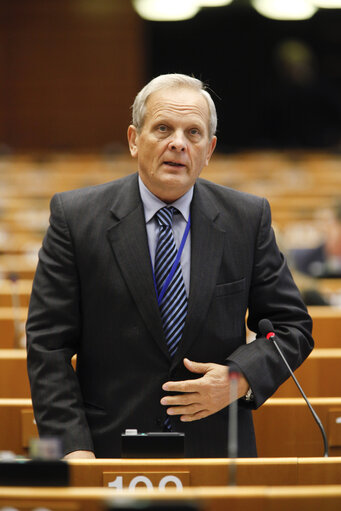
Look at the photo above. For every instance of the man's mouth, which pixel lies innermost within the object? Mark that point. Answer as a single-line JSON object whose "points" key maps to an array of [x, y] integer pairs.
{"points": [[174, 164]]}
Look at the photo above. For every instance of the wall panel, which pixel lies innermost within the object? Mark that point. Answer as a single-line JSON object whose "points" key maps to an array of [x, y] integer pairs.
{"points": [[71, 69]]}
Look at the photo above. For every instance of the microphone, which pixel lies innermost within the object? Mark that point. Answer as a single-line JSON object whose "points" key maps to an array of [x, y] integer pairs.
{"points": [[267, 330]]}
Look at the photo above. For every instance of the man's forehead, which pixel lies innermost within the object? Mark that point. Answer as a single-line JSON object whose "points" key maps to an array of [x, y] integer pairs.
{"points": [[182, 100]]}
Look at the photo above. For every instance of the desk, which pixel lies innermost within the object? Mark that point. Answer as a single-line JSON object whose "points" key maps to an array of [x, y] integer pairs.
{"points": [[213, 471], [284, 426], [261, 498]]}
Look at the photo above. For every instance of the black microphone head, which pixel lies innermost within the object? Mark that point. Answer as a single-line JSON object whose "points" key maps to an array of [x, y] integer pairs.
{"points": [[265, 326]]}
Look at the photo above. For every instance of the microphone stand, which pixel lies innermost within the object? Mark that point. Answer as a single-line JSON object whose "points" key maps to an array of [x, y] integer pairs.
{"points": [[266, 329], [314, 414]]}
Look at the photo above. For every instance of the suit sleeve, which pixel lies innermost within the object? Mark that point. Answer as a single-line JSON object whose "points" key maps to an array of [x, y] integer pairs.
{"points": [[53, 334], [273, 295]]}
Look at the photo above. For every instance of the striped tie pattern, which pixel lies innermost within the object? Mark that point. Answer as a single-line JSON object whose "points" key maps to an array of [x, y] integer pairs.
{"points": [[173, 307]]}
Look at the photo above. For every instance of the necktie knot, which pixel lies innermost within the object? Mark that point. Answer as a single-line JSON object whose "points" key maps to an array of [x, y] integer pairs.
{"points": [[165, 216]]}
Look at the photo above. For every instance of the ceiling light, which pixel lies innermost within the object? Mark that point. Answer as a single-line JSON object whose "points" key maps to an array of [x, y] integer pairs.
{"points": [[166, 10], [327, 4], [285, 9], [213, 3]]}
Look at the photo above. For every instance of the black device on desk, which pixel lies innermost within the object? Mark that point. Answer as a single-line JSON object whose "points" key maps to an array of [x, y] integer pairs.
{"points": [[152, 445], [34, 473]]}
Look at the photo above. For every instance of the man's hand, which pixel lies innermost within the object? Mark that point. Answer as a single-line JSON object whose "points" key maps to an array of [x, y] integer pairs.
{"points": [[79, 455], [204, 396]]}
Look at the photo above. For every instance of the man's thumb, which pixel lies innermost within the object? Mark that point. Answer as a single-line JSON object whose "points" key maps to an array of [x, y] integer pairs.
{"points": [[196, 367]]}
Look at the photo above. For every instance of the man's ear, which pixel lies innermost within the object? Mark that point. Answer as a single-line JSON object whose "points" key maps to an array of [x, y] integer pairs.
{"points": [[132, 140], [211, 148]]}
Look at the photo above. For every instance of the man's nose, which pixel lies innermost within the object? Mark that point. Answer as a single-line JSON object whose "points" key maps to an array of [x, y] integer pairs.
{"points": [[178, 142]]}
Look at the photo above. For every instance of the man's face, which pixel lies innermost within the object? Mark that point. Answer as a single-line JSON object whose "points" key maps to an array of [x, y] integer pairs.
{"points": [[173, 145]]}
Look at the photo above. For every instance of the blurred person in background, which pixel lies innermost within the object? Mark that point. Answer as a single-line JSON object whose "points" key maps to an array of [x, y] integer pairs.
{"points": [[324, 259]]}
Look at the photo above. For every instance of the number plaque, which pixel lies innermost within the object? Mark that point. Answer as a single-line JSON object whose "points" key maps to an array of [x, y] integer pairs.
{"points": [[150, 480]]}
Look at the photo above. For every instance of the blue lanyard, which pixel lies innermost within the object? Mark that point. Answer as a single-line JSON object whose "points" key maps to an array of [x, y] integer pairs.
{"points": [[175, 264]]}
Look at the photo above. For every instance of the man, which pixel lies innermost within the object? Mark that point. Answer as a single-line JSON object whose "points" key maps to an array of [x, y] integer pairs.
{"points": [[98, 292]]}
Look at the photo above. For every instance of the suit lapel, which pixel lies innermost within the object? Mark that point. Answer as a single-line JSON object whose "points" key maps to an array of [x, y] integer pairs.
{"points": [[207, 242], [128, 239]]}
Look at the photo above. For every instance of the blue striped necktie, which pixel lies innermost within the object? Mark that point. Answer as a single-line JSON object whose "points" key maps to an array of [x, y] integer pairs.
{"points": [[173, 307]]}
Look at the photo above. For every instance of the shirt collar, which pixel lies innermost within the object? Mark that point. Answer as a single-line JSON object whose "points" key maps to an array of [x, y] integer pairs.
{"points": [[152, 204]]}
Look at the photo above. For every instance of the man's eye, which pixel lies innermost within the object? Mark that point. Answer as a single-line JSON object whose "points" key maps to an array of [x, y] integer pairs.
{"points": [[162, 128], [194, 131]]}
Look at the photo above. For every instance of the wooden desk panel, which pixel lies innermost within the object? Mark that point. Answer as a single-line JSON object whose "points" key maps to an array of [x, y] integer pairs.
{"points": [[10, 319], [22, 265], [215, 472], [285, 427], [22, 288], [202, 472], [319, 376], [326, 326], [319, 471], [304, 498], [13, 374], [11, 424]]}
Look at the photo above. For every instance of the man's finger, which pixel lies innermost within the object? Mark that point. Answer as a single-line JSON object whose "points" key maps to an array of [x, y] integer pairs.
{"points": [[195, 416], [180, 399], [192, 409], [181, 386]]}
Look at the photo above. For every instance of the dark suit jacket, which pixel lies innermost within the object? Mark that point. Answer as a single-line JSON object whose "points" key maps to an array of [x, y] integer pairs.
{"points": [[93, 295]]}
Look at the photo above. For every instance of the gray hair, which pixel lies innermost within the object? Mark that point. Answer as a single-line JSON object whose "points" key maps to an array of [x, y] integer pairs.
{"points": [[167, 81]]}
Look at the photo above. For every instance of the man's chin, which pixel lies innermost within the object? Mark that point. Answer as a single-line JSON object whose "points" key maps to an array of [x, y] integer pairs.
{"points": [[171, 188]]}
